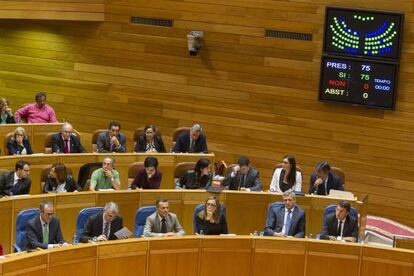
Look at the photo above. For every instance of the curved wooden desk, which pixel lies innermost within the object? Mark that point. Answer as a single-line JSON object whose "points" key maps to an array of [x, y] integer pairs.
{"points": [[246, 211], [208, 255], [167, 163]]}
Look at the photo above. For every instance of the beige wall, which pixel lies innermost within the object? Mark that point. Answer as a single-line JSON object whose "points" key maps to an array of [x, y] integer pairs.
{"points": [[254, 95]]}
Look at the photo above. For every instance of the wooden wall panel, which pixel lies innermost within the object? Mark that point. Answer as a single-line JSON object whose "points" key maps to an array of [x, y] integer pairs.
{"points": [[255, 96], [82, 10]]}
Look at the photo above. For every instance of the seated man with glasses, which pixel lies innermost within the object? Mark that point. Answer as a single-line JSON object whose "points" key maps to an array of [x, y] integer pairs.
{"points": [[44, 231], [66, 141], [17, 182]]}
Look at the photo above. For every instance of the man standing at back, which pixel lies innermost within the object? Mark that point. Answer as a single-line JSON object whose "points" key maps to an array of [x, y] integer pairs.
{"points": [[286, 220], [162, 223], [193, 141], [44, 231], [39, 112], [111, 140], [66, 141]]}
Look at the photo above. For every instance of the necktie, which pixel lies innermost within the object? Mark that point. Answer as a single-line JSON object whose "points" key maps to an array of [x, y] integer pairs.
{"points": [[46, 233], [287, 223], [192, 144], [66, 146], [339, 229], [106, 229], [163, 226], [242, 180]]}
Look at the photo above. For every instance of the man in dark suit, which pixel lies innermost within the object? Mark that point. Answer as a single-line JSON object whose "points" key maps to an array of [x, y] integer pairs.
{"points": [[44, 231], [193, 141], [103, 225], [162, 223], [323, 180], [17, 182], [340, 225], [66, 141], [287, 219], [112, 140], [243, 177]]}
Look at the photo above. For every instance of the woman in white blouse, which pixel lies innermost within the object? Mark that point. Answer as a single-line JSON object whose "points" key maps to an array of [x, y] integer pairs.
{"points": [[286, 178]]}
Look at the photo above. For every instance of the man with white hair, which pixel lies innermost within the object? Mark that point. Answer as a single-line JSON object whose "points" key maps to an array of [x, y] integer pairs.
{"points": [[103, 225], [66, 141], [193, 141]]}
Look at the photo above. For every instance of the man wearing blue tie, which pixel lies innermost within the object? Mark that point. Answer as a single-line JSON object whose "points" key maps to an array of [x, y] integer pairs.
{"points": [[287, 220]]}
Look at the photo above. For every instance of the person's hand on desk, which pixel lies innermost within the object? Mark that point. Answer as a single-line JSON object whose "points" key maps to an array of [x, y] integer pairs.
{"points": [[349, 239], [332, 238], [54, 245], [169, 234], [279, 234], [101, 238], [245, 189]]}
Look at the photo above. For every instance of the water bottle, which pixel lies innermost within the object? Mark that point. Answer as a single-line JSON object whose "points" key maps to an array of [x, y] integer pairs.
{"points": [[202, 232], [11, 193], [94, 239], [74, 240], [255, 233], [310, 236]]}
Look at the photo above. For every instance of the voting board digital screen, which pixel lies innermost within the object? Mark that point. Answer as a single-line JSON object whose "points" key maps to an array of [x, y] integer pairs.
{"points": [[360, 82], [363, 33]]}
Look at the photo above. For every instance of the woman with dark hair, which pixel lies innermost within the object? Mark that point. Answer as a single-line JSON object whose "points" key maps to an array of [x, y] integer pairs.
{"points": [[19, 143], [286, 178], [210, 221], [59, 181], [150, 141], [149, 177], [200, 177], [6, 115]]}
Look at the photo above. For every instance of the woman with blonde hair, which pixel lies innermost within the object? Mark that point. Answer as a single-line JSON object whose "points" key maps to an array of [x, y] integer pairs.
{"points": [[210, 220], [19, 143]]}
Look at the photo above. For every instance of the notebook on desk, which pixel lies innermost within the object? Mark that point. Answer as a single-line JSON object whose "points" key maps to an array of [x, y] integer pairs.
{"points": [[342, 194]]}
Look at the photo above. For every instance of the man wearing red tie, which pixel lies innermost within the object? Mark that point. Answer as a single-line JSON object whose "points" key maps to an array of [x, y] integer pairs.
{"points": [[66, 141]]}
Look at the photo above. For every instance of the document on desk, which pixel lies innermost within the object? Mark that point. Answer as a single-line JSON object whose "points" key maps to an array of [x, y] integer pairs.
{"points": [[124, 233]]}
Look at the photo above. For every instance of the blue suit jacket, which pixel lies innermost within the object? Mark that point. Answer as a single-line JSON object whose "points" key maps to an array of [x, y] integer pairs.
{"points": [[183, 143], [34, 233], [275, 220], [103, 142], [334, 182]]}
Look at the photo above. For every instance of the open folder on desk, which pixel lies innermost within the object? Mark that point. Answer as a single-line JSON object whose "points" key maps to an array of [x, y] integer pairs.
{"points": [[122, 234]]}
